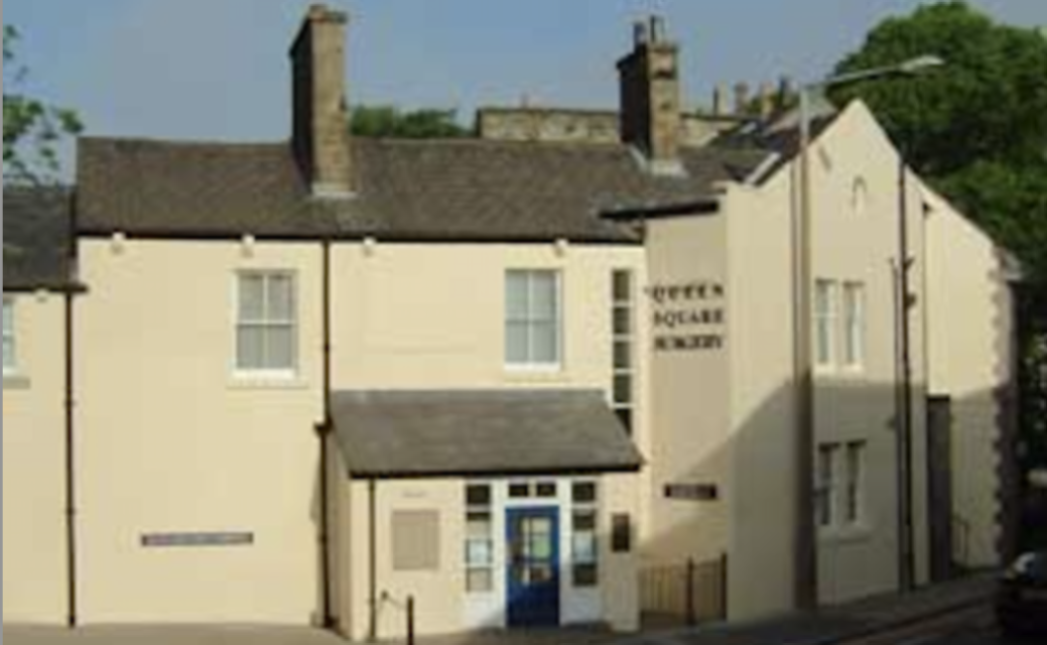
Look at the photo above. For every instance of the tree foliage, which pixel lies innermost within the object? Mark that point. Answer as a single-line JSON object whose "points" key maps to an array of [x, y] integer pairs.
{"points": [[386, 121], [976, 128], [32, 129]]}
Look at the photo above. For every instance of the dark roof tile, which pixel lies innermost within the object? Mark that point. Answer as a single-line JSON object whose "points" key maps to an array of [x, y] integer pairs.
{"points": [[472, 190], [37, 238], [453, 433]]}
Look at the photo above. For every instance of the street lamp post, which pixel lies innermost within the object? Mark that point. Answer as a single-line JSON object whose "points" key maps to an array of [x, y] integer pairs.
{"points": [[805, 540]]}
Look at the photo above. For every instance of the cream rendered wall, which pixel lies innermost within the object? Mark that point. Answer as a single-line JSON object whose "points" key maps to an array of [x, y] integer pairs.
{"points": [[442, 604], [619, 582], [762, 505], [969, 331], [171, 441], [856, 242], [439, 594], [690, 390], [35, 567], [412, 316], [849, 243], [433, 316]]}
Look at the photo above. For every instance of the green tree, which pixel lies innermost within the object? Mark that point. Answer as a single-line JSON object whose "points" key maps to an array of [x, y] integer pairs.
{"points": [[976, 128], [386, 121], [32, 129]]}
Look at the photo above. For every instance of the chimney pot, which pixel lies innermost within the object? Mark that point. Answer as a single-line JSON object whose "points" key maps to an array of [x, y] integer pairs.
{"points": [[657, 29], [641, 35], [720, 100], [785, 91], [741, 99], [766, 100]]}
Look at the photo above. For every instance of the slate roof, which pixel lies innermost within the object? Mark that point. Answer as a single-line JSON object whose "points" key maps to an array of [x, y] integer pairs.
{"points": [[463, 433], [37, 238], [430, 190]]}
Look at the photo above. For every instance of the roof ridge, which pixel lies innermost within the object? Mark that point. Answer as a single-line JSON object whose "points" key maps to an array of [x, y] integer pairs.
{"points": [[491, 143], [185, 143]]}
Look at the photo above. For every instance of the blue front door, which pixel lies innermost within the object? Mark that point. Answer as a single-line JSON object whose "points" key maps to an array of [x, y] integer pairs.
{"points": [[533, 547]]}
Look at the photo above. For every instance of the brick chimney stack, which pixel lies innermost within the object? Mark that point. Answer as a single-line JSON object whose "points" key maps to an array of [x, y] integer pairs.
{"points": [[320, 116], [650, 96]]}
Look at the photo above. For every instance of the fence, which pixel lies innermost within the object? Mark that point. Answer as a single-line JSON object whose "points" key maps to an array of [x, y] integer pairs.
{"points": [[684, 594]]}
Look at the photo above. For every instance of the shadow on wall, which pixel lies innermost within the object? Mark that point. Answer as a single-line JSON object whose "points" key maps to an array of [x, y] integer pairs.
{"points": [[1032, 412]]}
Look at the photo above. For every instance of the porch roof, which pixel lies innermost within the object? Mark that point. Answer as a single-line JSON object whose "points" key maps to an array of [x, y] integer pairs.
{"points": [[405, 434]]}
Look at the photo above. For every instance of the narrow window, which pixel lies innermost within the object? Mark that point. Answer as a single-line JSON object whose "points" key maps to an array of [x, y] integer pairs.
{"points": [[854, 324], [266, 323], [621, 533], [479, 542], [826, 488], [825, 295], [10, 346], [532, 319], [623, 338], [855, 482], [584, 555]]}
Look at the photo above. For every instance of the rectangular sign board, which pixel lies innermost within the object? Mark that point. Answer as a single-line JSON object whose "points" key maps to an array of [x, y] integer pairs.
{"points": [[695, 492]]}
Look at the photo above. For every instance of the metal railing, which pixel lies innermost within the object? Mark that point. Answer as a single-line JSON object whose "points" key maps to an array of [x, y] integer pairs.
{"points": [[408, 607]]}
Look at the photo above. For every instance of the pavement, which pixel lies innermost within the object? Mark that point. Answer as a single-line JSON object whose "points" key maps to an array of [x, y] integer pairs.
{"points": [[825, 627]]}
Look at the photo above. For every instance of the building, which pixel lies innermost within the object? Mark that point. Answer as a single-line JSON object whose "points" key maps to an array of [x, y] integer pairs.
{"points": [[513, 380]]}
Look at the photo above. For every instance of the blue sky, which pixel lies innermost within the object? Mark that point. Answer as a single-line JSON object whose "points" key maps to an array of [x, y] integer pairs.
{"points": [[217, 69]]}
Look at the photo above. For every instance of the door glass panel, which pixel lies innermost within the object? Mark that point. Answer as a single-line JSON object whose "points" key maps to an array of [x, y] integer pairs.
{"points": [[541, 539]]}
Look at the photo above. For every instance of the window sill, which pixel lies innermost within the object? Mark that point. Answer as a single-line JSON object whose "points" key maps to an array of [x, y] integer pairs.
{"points": [[539, 373], [16, 381], [838, 373], [267, 381], [845, 535]]}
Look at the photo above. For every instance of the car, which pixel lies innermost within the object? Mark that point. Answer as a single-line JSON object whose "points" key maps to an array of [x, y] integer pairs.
{"points": [[1021, 601]]}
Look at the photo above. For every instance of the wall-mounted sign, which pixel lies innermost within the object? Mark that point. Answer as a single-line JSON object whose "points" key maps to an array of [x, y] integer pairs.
{"points": [[694, 492], [688, 316], [192, 540]]}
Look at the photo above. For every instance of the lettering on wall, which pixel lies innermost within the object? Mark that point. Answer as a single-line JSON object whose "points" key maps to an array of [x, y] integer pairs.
{"points": [[693, 492], [688, 316]]}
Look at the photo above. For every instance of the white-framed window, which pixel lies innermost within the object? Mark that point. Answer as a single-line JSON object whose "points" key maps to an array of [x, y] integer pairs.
{"points": [[624, 357], [854, 485], [266, 323], [826, 489], [533, 319], [840, 491], [10, 338], [585, 568], [479, 539], [825, 321], [853, 325]]}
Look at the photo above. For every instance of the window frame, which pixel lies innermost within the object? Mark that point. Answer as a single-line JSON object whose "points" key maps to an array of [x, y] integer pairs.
{"points": [[580, 568], [853, 319], [488, 568], [855, 455], [625, 340], [826, 320], [530, 364], [293, 325], [10, 335], [827, 486]]}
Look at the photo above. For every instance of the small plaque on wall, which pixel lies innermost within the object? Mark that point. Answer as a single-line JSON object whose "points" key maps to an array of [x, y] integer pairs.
{"points": [[693, 492], [195, 540]]}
